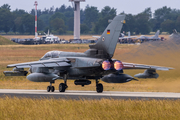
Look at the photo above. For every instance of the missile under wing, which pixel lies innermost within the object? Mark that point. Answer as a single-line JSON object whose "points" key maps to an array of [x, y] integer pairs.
{"points": [[96, 63]]}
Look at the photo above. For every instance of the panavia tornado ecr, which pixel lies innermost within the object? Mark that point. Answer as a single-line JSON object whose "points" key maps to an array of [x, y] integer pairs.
{"points": [[96, 63]]}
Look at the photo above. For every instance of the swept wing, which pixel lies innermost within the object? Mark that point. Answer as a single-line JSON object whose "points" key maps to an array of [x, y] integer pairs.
{"points": [[43, 63]]}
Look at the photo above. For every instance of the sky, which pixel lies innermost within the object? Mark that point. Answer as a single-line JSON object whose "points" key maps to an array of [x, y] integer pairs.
{"points": [[128, 6]]}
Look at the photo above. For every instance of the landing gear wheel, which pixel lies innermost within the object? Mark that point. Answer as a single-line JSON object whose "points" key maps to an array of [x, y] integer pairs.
{"points": [[48, 88], [99, 88], [62, 87], [66, 87], [52, 88]]}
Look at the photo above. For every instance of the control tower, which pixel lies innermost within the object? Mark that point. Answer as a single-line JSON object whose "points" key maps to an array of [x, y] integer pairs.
{"points": [[76, 17], [36, 4]]}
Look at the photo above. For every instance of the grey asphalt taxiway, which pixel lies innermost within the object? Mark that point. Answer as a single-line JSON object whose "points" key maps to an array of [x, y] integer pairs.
{"points": [[70, 94]]}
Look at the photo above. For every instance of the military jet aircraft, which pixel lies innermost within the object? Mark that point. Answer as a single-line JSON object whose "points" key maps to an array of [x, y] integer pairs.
{"points": [[155, 37], [128, 37], [95, 63], [175, 34]]}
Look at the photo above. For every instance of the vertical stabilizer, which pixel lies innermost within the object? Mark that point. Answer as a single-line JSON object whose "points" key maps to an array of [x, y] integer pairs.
{"points": [[174, 31], [157, 34], [108, 40], [48, 32], [129, 34]]}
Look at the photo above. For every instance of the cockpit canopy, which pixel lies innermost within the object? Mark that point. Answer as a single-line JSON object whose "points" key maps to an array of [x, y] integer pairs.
{"points": [[51, 54]]}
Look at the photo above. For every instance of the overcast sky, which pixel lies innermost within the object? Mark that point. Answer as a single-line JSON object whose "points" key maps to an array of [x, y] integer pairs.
{"points": [[128, 6]]}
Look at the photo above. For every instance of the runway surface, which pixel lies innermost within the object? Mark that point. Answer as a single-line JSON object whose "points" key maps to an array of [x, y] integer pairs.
{"points": [[70, 94]]}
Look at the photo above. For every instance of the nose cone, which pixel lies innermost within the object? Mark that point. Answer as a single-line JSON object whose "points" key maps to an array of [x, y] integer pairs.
{"points": [[30, 77]]}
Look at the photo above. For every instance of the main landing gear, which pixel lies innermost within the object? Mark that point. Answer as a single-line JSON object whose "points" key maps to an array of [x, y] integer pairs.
{"points": [[50, 88], [63, 86], [99, 87]]}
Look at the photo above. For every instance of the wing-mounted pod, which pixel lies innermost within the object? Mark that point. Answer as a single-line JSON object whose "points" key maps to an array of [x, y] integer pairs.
{"points": [[117, 78], [16, 72], [149, 73], [42, 77]]}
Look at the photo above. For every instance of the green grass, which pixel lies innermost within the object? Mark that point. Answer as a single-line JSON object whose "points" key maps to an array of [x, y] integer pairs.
{"points": [[5, 41], [104, 109]]}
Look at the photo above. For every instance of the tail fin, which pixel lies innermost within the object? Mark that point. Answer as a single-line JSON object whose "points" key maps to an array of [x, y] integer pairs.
{"points": [[108, 40], [174, 31], [157, 33], [129, 34]]}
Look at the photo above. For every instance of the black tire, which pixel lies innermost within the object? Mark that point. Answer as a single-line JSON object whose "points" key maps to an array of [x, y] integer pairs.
{"points": [[66, 87], [48, 88], [52, 88], [62, 87], [99, 88]]}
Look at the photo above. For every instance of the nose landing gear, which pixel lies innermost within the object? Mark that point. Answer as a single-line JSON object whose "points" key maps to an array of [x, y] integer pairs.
{"points": [[50, 88]]}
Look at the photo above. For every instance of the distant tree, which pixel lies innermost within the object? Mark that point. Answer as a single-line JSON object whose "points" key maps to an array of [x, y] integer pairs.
{"points": [[45, 11], [41, 25], [17, 21], [19, 25], [45, 18], [28, 23], [160, 16], [168, 26], [82, 16], [39, 13], [19, 13], [84, 29], [58, 25], [177, 25], [130, 23], [91, 15], [51, 11], [106, 14], [142, 23], [6, 20], [69, 14], [6, 6], [47, 29], [70, 24], [161, 13], [148, 12], [62, 9], [58, 15]]}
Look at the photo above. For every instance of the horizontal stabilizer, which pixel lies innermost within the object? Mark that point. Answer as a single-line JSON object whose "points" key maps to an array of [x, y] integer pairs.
{"points": [[141, 66]]}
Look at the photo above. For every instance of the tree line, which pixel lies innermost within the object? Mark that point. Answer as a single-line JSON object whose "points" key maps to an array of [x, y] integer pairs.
{"points": [[61, 20]]}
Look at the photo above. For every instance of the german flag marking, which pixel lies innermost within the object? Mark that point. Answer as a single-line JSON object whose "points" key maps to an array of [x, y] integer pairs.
{"points": [[108, 31]]}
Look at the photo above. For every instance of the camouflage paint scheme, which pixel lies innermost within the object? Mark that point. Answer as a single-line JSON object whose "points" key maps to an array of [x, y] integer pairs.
{"points": [[84, 66]]}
